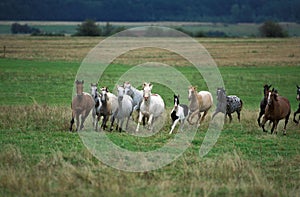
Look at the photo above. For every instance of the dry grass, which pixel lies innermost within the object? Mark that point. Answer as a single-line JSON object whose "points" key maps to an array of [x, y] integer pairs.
{"points": [[241, 52]]}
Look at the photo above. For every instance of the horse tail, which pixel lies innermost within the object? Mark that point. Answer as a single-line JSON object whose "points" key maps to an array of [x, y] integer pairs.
{"points": [[241, 104]]}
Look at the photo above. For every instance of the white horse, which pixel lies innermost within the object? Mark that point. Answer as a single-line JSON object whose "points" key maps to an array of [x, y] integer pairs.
{"points": [[135, 94], [125, 107], [199, 102], [152, 106]]}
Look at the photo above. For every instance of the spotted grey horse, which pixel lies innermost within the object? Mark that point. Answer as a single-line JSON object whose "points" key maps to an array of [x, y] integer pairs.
{"points": [[228, 104]]}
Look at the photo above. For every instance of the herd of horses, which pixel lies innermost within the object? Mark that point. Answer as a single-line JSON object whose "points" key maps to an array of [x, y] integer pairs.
{"points": [[106, 106]]}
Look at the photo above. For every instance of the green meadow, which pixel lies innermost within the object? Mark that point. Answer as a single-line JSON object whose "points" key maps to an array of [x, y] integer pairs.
{"points": [[39, 157]]}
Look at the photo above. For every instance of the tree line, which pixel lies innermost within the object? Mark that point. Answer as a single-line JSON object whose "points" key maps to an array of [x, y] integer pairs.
{"points": [[229, 11]]}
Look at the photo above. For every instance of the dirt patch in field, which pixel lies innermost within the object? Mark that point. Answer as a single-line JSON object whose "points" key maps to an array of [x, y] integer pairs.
{"points": [[225, 52]]}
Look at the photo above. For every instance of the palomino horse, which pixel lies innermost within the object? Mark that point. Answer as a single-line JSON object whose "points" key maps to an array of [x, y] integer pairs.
{"points": [[82, 104], [228, 104], [263, 103], [178, 113], [152, 106], [298, 110], [199, 102], [278, 108]]}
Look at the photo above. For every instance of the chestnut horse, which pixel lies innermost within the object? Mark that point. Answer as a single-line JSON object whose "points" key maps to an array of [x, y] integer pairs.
{"points": [[81, 105], [298, 110], [277, 108]]}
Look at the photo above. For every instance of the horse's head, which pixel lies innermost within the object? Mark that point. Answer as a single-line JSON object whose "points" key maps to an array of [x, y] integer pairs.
{"points": [[298, 93], [94, 90], [192, 90], [266, 89], [221, 94], [272, 96], [79, 87], [128, 90], [103, 94], [147, 87], [176, 100], [121, 92]]}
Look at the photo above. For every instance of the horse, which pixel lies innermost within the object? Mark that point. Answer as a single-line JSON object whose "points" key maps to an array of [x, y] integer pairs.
{"points": [[178, 113], [81, 105], [228, 104], [263, 102], [152, 106], [98, 104], [199, 102], [135, 94], [125, 107], [109, 107], [298, 110], [278, 108]]}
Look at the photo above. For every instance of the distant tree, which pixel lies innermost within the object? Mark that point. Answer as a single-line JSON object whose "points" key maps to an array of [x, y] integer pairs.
{"points": [[88, 28], [272, 29], [17, 28]]}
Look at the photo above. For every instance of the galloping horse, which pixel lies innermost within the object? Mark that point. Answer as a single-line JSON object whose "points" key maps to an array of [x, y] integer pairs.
{"points": [[178, 113], [125, 108], [228, 104], [109, 107], [298, 110], [278, 108], [152, 106], [81, 105], [263, 103], [96, 110], [199, 102]]}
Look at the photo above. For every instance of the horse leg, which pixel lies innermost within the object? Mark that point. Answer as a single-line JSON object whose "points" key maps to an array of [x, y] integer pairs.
{"points": [[230, 118], [72, 122], [77, 121], [83, 117], [150, 120], [285, 123], [261, 113], [274, 127], [239, 115], [297, 112], [182, 124], [203, 116], [263, 124], [139, 122], [173, 125], [216, 112], [94, 118]]}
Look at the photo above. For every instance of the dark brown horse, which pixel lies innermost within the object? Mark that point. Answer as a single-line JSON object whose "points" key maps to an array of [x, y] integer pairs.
{"points": [[298, 110], [81, 105], [277, 108], [263, 103]]}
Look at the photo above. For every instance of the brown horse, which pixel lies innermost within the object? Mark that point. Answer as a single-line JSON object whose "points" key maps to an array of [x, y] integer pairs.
{"points": [[277, 108], [81, 105]]}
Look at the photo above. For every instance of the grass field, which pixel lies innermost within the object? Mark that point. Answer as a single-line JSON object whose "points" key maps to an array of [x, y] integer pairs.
{"points": [[39, 158]]}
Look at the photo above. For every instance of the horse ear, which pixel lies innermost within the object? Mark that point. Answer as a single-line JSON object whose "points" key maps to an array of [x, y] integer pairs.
{"points": [[174, 95], [150, 85], [269, 86], [273, 90], [298, 86]]}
